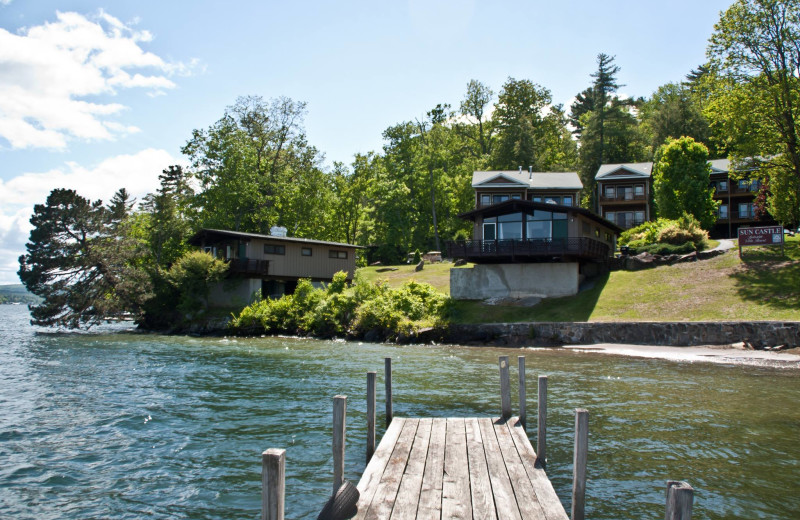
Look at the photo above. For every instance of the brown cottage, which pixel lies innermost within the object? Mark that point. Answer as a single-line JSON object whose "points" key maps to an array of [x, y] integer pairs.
{"points": [[271, 264]]}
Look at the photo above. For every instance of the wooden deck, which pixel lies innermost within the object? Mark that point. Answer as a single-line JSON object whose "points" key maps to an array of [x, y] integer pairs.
{"points": [[478, 468]]}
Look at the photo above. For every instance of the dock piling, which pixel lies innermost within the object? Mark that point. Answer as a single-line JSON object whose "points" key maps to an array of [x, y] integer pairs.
{"points": [[579, 464], [273, 483], [505, 388], [339, 417], [388, 378], [541, 423], [523, 417], [370, 414], [680, 496]]}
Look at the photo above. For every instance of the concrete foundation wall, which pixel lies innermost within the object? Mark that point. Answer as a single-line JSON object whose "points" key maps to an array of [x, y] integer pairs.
{"points": [[234, 292], [543, 280]]}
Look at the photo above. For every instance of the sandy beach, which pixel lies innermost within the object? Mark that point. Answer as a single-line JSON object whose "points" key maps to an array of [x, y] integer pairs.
{"points": [[708, 354]]}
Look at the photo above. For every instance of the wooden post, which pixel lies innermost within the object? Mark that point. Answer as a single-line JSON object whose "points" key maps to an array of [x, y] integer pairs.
{"points": [[523, 415], [680, 496], [505, 389], [339, 416], [370, 414], [579, 464], [541, 424], [388, 377], [273, 487]]}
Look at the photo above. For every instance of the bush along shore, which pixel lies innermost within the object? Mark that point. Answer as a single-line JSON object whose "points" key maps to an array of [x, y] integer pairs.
{"points": [[362, 310]]}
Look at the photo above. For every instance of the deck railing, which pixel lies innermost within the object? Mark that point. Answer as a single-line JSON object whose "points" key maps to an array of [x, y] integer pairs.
{"points": [[248, 266], [520, 249]]}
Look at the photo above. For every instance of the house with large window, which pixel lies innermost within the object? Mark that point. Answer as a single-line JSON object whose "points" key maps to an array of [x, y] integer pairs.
{"points": [[526, 244], [271, 264], [736, 198]]}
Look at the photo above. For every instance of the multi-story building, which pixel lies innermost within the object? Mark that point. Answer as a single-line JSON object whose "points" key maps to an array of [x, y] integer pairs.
{"points": [[624, 193], [624, 196]]}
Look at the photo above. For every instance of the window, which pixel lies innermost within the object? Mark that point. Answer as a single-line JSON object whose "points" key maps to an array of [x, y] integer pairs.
{"points": [[553, 200], [723, 211], [499, 198], [610, 192], [566, 201], [510, 226], [342, 255], [274, 249], [746, 210], [539, 229], [755, 185], [610, 216], [486, 199], [638, 218], [722, 186], [306, 251], [597, 232], [744, 184], [638, 190], [516, 196], [537, 199], [625, 192]]}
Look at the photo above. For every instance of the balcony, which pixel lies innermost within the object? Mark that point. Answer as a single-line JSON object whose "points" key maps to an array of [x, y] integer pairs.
{"points": [[248, 266], [528, 250], [623, 198]]}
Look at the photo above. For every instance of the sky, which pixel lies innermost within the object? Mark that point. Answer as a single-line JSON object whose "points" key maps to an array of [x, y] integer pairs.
{"points": [[98, 96]]}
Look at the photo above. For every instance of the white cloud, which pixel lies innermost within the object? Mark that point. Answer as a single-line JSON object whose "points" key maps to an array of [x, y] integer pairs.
{"points": [[138, 173], [45, 71]]}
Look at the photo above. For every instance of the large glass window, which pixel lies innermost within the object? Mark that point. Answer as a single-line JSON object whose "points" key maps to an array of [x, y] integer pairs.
{"points": [[723, 211], [539, 229], [509, 226], [566, 201], [746, 211], [499, 198], [638, 190], [553, 200], [486, 199], [610, 192], [541, 215], [625, 192]]}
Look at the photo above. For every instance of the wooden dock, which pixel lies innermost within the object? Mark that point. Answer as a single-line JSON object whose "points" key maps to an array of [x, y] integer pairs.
{"points": [[476, 468]]}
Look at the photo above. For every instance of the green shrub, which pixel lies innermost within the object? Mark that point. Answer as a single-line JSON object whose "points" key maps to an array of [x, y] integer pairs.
{"points": [[665, 249], [665, 231]]}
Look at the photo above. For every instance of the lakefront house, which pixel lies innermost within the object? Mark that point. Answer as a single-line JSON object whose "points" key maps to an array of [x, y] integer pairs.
{"points": [[529, 244], [271, 264]]}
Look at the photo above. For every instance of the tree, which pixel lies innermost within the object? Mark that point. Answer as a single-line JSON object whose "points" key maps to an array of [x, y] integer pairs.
{"points": [[168, 226], [478, 129], [530, 131], [80, 263], [673, 112], [755, 91], [681, 181]]}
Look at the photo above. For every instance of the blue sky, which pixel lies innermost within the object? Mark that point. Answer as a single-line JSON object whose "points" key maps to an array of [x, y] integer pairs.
{"points": [[97, 96]]}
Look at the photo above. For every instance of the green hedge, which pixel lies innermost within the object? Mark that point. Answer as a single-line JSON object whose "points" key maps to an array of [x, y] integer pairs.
{"points": [[343, 310]]}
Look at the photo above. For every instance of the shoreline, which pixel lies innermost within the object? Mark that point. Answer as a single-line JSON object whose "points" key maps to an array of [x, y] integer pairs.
{"points": [[719, 354]]}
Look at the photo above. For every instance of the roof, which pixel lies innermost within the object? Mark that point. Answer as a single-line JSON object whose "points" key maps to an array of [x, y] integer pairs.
{"points": [[625, 170], [514, 206], [535, 180], [198, 237]]}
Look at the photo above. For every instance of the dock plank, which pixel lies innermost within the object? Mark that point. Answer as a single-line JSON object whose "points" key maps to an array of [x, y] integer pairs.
{"points": [[405, 507], [545, 492], [504, 498], [374, 470], [480, 485], [385, 495], [527, 501], [430, 498], [456, 502]]}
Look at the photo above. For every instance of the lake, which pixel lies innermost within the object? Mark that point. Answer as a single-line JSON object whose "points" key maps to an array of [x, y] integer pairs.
{"points": [[133, 425]]}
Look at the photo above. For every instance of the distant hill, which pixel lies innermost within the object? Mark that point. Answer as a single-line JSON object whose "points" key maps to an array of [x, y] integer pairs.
{"points": [[17, 293]]}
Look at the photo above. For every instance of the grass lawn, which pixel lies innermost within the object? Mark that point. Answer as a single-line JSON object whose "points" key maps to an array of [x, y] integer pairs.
{"points": [[762, 286], [438, 275]]}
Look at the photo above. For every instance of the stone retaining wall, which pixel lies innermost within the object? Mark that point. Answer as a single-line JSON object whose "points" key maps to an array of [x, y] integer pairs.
{"points": [[759, 333]]}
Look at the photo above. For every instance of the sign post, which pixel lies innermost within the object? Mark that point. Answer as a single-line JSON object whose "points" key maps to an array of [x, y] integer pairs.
{"points": [[761, 236]]}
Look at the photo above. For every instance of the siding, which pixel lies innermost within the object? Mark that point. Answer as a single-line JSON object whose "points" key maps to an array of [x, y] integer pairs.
{"points": [[294, 265]]}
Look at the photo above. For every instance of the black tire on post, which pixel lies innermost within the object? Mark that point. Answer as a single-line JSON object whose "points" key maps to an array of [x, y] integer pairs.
{"points": [[342, 505]]}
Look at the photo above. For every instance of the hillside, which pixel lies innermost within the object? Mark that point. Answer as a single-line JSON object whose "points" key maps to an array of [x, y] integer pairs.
{"points": [[762, 286], [16, 293]]}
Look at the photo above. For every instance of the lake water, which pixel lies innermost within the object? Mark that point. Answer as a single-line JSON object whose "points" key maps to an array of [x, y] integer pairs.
{"points": [[133, 425]]}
